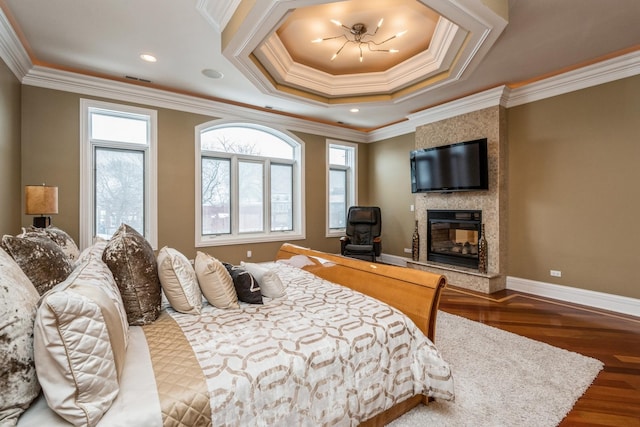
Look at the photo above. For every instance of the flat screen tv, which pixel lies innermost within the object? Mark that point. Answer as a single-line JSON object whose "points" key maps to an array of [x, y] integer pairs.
{"points": [[457, 167]]}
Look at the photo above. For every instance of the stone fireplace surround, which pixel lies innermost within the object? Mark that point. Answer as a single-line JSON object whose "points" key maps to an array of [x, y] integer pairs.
{"points": [[487, 123]]}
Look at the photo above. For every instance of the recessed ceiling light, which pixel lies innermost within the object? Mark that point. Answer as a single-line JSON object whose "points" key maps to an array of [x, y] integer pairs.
{"points": [[148, 57], [212, 74], [354, 110]]}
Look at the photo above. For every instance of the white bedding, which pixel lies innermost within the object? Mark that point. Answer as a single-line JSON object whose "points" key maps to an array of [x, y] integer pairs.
{"points": [[320, 355]]}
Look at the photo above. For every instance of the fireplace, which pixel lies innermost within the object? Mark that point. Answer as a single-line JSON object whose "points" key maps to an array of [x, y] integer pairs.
{"points": [[452, 237]]}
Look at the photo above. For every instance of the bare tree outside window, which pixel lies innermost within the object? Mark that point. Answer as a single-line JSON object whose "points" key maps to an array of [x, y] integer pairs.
{"points": [[119, 187], [246, 183]]}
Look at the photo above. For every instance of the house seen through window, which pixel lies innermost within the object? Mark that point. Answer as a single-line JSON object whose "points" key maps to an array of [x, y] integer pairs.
{"points": [[249, 184]]}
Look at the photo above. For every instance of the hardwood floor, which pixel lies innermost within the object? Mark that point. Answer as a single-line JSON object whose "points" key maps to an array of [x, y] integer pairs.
{"points": [[614, 397]]}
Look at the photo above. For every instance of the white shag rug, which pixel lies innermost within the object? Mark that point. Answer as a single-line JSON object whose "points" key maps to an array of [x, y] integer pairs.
{"points": [[502, 379]]}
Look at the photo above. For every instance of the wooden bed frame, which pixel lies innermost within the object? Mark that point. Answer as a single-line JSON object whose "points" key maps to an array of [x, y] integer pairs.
{"points": [[414, 292]]}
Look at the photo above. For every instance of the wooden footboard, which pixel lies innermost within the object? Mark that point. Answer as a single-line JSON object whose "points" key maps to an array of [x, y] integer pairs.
{"points": [[416, 293]]}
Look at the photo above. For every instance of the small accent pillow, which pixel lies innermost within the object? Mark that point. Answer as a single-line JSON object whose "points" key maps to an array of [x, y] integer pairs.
{"points": [[18, 301], [246, 285], [133, 264], [215, 282], [43, 261], [179, 281], [60, 238], [80, 343], [270, 284]]}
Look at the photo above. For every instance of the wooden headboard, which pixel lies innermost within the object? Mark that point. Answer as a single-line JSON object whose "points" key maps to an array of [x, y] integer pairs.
{"points": [[414, 292]]}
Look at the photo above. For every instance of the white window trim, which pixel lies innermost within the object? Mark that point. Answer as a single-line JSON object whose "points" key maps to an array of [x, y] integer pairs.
{"points": [[87, 216], [353, 184], [299, 222]]}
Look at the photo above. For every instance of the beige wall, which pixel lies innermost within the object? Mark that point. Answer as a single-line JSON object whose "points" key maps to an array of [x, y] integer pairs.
{"points": [[50, 141], [574, 188], [389, 179], [10, 188]]}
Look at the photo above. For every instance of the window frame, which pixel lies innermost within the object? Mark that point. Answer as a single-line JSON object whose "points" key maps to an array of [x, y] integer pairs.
{"points": [[352, 182], [298, 181], [87, 157]]}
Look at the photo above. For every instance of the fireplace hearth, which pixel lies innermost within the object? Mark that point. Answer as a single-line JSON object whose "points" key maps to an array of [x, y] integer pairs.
{"points": [[452, 237]]}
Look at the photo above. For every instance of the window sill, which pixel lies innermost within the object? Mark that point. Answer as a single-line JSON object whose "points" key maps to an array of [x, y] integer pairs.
{"points": [[243, 240]]}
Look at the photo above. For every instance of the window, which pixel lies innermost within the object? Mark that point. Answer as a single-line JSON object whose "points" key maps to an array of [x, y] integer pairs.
{"points": [[341, 185], [249, 181], [118, 170]]}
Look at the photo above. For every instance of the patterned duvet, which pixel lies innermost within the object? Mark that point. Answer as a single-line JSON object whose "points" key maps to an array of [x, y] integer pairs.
{"points": [[321, 355]]}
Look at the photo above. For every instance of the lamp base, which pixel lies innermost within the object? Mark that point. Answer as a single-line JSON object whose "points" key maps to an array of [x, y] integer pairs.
{"points": [[41, 221]]}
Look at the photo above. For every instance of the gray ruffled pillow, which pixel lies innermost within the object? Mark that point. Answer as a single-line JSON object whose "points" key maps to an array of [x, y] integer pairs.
{"points": [[131, 259], [18, 301]]}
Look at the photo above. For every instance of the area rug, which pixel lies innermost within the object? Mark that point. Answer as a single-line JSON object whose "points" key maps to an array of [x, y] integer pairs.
{"points": [[503, 379]]}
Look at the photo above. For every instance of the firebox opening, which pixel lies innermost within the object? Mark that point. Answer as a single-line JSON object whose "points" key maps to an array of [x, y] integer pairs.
{"points": [[452, 237]]}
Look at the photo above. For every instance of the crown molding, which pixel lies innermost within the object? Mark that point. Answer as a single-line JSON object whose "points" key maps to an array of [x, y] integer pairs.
{"points": [[592, 75], [478, 101], [617, 68], [126, 92], [11, 50], [17, 59]]}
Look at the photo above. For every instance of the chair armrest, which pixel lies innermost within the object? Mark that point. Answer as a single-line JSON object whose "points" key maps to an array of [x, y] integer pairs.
{"points": [[344, 241], [377, 246]]}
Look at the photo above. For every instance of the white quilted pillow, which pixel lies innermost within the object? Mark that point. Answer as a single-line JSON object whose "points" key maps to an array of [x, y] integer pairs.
{"points": [[270, 284], [80, 341], [179, 282]]}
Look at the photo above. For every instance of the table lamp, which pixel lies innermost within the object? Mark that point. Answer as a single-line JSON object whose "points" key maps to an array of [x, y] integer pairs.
{"points": [[41, 200]]}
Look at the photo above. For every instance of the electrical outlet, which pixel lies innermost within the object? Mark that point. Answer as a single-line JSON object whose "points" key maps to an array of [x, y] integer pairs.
{"points": [[407, 250], [412, 208], [555, 273], [249, 254]]}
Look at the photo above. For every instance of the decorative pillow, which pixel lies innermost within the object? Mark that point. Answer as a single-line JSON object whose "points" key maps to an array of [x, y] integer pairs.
{"points": [[133, 264], [179, 281], [59, 237], [80, 343], [215, 282], [18, 301], [270, 284], [246, 285], [44, 262]]}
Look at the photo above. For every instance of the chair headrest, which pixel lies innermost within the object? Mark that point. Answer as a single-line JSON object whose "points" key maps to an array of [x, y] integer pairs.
{"points": [[362, 216]]}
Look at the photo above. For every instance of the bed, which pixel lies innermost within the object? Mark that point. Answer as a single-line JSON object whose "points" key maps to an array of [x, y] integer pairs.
{"points": [[320, 355]]}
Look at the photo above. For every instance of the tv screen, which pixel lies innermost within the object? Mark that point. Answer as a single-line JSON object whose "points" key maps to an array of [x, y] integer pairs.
{"points": [[457, 167]]}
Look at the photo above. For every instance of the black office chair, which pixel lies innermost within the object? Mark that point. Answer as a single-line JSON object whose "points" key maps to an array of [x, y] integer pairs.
{"points": [[364, 226]]}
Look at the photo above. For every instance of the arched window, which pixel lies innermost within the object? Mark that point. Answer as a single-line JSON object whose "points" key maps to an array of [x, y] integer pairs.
{"points": [[249, 184]]}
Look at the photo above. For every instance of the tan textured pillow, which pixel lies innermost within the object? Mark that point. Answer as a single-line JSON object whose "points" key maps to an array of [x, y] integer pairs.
{"points": [[43, 261], [215, 282], [18, 301], [179, 281], [133, 264], [270, 284], [80, 342]]}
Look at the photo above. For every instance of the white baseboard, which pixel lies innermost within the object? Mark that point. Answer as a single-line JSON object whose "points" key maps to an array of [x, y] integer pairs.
{"points": [[393, 260], [601, 300], [616, 303]]}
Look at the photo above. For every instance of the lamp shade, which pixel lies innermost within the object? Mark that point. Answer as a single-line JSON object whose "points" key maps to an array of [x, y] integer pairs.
{"points": [[41, 200]]}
